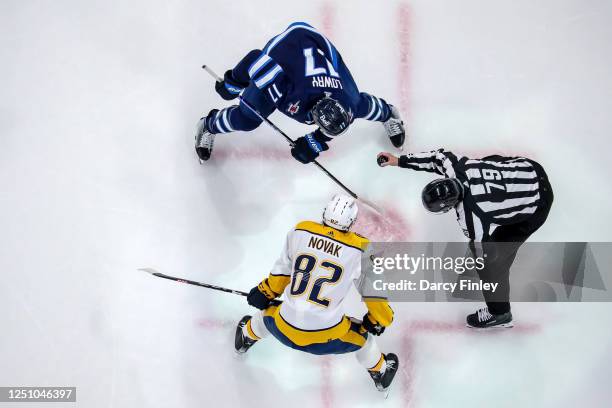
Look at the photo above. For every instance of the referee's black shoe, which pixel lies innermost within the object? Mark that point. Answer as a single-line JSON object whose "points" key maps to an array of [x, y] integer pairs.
{"points": [[482, 319]]}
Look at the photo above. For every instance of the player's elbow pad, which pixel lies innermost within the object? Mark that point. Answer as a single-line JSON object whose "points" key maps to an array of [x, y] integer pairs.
{"points": [[380, 312], [241, 70]]}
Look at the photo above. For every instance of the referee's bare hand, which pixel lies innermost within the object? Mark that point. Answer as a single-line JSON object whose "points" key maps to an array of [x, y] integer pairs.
{"points": [[385, 159]]}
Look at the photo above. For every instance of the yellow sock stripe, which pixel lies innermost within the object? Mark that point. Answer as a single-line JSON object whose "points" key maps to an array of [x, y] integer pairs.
{"points": [[252, 334], [378, 365]]}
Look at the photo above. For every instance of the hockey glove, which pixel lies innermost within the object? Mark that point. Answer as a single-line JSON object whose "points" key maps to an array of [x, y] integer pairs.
{"points": [[229, 88], [371, 327], [307, 148], [261, 296]]}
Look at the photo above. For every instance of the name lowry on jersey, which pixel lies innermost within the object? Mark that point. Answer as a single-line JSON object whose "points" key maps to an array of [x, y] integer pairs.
{"points": [[324, 81], [324, 245]]}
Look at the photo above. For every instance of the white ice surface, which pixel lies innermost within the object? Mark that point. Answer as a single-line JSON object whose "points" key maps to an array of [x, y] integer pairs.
{"points": [[98, 103]]}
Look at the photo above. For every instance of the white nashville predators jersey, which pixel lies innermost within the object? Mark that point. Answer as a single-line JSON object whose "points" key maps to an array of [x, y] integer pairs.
{"points": [[322, 264]]}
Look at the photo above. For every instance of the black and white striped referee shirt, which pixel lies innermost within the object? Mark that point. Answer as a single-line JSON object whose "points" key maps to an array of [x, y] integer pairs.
{"points": [[497, 190]]}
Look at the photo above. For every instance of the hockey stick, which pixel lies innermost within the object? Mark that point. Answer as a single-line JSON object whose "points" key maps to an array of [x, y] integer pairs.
{"points": [[292, 143], [153, 272]]}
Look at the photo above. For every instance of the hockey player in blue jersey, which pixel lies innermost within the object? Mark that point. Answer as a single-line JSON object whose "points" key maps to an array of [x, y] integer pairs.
{"points": [[300, 73]]}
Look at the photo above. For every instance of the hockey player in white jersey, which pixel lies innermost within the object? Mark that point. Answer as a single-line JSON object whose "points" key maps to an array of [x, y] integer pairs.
{"points": [[318, 265]]}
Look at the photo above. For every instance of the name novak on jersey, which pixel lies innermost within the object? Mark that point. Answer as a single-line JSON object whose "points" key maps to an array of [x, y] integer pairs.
{"points": [[324, 245]]}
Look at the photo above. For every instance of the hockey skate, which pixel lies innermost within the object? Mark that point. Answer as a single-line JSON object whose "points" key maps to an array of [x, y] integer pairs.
{"points": [[204, 140], [241, 342], [383, 380], [482, 319], [395, 128]]}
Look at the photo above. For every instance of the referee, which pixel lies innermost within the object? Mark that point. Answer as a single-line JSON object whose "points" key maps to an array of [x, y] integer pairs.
{"points": [[497, 199]]}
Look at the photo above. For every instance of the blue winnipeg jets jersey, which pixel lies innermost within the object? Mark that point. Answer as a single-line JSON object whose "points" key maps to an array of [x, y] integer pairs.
{"points": [[297, 67]]}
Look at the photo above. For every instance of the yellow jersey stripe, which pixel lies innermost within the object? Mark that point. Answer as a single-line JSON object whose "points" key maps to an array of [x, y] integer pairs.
{"points": [[354, 338], [350, 239], [278, 283], [307, 337]]}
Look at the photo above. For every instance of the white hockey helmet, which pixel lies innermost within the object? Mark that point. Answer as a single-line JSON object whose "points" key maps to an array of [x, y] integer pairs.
{"points": [[340, 213]]}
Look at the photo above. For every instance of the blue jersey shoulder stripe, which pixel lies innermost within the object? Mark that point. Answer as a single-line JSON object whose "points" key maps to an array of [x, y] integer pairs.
{"points": [[268, 77], [299, 23], [274, 41], [258, 64]]}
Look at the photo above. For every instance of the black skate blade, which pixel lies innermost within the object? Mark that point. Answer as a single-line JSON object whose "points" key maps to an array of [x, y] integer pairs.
{"points": [[387, 391]]}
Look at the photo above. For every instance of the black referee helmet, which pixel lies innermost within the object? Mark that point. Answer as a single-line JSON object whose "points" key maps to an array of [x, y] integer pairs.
{"points": [[441, 195]]}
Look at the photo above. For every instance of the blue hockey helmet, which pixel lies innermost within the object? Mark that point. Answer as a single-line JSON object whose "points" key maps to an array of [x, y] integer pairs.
{"points": [[330, 116]]}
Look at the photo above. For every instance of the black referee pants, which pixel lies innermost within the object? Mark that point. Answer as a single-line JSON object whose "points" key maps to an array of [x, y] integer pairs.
{"points": [[500, 257]]}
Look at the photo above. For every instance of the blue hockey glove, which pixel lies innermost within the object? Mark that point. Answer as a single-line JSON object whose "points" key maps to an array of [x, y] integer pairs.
{"points": [[229, 88], [261, 296], [307, 148]]}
